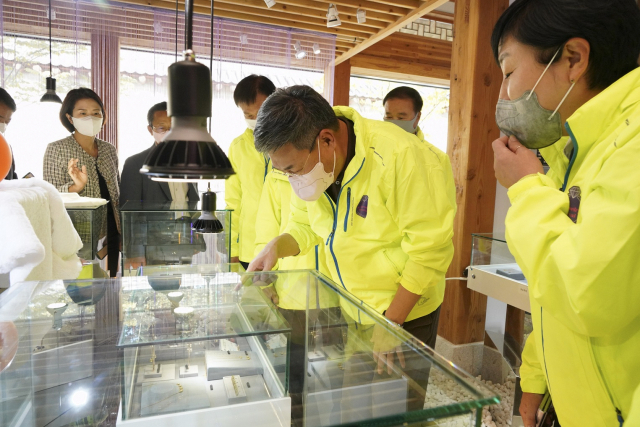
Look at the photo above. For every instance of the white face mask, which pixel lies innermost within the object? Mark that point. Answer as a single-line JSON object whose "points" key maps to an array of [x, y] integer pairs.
{"points": [[158, 137], [251, 124], [407, 125], [3, 128], [88, 126], [310, 186]]}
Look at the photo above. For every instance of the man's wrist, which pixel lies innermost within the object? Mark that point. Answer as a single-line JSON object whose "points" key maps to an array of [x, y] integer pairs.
{"points": [[400, 324]]}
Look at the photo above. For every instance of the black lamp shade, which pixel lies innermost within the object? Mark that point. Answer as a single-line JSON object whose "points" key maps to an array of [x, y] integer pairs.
{"points": [[188, 151], [50, 95], [208, 223]]}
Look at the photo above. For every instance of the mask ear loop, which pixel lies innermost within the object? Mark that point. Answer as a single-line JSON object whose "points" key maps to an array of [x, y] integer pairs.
{"points": [[543, 73], [573, 83]]}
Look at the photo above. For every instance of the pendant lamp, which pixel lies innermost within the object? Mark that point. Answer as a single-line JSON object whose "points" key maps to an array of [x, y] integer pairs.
{"points": [[188, 153], [50, 95]]}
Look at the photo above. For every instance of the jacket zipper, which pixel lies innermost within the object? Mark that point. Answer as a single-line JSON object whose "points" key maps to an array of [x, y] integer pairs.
{"points": [[335, 224], [346, 216], [574, 155]]}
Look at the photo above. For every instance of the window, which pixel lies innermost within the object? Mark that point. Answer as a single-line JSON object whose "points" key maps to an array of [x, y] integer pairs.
{"points": [[366, 95], [36, 124]]}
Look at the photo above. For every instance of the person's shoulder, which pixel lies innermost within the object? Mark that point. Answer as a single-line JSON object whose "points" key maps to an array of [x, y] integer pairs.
{"points": [[243, 140], [105, 146], [137, 159], [66, 141]]}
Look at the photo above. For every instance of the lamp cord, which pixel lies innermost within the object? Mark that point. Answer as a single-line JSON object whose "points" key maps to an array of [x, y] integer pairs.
{"points": [[188, 25], [50, 47], [211, 56], [176, 31]]}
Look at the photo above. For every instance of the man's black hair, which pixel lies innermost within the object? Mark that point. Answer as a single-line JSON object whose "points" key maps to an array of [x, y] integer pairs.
{"points": [[612, 28], [248, 89], [406, 92], [160, 106], [7, 100]]}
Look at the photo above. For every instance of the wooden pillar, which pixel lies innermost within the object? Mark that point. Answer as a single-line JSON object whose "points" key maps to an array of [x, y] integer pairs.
{"points": [[105, 80], [342, 83], [475, 84]]}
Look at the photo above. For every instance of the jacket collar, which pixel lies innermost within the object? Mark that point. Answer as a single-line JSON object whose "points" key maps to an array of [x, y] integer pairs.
{"points": [[362, 136], [591, 121]]}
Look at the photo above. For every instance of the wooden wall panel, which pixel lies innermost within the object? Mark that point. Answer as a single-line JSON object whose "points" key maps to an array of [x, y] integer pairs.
{"points": [[105, 80], [475, 84], [341, 83]]}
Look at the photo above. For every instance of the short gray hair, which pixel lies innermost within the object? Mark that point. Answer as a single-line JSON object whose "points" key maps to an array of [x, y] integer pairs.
{"points": [[293, 115]]}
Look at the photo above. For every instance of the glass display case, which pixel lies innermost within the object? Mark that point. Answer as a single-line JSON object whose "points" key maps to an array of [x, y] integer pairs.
{"points": [[160, 233], [495, 273], [89, 223], [185, 345]]}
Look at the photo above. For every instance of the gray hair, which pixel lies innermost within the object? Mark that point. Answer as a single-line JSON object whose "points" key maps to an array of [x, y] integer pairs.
{"points": [[293, 115]]}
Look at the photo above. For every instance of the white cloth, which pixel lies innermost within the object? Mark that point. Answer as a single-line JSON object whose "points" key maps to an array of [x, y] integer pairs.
{"points": [[179, 191], [74, 200], [38, 239]]}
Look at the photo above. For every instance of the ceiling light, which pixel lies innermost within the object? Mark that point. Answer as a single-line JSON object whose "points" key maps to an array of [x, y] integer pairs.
{"points": [[333, 20], [300, 53], [50, 94], [188, 152], [316, 49], [244, 39], [361, 14], [270, 3]]}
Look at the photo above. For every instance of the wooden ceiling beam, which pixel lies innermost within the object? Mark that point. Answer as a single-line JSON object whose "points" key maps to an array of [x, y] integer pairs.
{"points": [[407, 4], [302, 11], [350, 9], [436, 15], [426, 7], [248, 11]]}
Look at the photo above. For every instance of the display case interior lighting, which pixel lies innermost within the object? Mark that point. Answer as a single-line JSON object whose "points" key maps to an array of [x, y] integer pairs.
{"points": [[175, 298], [79, 398], [361, 14], [333, 19], [270, 3], [300, 53], [56, 309], [188, 152], [316, 49], [50, 95]]}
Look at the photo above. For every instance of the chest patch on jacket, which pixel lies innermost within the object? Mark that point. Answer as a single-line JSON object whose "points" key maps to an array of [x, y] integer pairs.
{"points": [[361, 210], [574, 202]]}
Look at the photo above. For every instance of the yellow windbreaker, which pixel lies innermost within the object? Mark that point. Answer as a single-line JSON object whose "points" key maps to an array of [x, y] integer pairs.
{"points": [[242, 193], [392, 223], [584, 280], [275, 208]]}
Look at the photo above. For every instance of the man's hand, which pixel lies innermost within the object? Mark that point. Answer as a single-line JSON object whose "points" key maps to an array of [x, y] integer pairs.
{"points": [[512, 161], [529, 407], [266, 259], [385, 345]]}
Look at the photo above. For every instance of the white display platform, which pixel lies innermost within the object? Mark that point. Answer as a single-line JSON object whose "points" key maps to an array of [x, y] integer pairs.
{"points": [[485, 280]]}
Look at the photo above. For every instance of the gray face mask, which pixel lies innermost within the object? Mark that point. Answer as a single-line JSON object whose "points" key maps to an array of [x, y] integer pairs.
{"points": [[406, 125], [534, 126]]}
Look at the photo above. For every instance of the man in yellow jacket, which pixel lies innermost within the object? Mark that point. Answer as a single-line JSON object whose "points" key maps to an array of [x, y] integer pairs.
{"points": [[403, 108], [378, 200], [243, 190], [575, 231]]}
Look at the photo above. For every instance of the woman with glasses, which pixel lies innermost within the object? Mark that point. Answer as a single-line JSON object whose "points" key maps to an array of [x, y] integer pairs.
{"points": [[84, 164]]}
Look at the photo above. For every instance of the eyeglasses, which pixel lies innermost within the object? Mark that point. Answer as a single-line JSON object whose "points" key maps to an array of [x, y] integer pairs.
{"points": [[289, 174], [160, 129]]}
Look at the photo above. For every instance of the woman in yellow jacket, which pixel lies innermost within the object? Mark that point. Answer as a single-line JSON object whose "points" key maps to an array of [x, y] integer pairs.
{"points": [[572, 90]]}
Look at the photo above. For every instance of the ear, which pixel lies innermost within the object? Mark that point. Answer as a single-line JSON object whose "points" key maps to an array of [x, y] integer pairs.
{"points": [[69, 118], [576, 52], [418, 117], [150, 129], [327, 137]]}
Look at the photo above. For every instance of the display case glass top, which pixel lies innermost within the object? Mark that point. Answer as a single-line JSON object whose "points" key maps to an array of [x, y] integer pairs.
{"points": [[142, 206], [263, 349]]}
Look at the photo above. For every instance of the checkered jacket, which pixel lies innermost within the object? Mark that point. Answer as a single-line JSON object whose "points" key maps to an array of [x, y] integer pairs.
{"points": [[56, 159]]}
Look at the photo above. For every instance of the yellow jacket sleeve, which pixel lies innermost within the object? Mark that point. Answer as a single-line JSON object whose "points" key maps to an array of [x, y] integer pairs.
{"points": [[584, 274], [233, 197], [422, 203], [531, 372], [269, 218], [299, 228]]}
